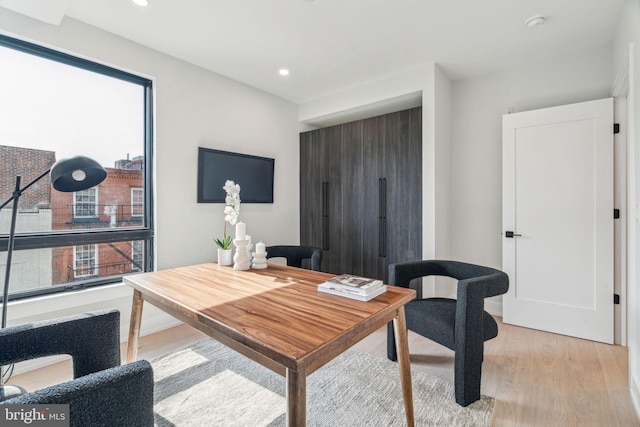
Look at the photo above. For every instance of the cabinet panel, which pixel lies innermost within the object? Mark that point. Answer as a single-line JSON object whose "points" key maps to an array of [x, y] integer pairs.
{"points": [[353, 199], [321, 193], [373, 262], [370, 171], [310, 189], [332, 146], [403, 160]]}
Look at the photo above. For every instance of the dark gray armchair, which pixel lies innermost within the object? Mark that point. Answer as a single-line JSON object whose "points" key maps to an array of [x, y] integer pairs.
{"points": [[460, 324], [295, 255], [102, 393]]}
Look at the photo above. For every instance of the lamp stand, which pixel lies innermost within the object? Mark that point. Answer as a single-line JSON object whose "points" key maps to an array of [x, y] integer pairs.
{"points": [[75, 174], [9, 391]]}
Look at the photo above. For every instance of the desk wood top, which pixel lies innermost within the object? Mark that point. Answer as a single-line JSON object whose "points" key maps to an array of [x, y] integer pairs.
{"points": [[277, 312]]}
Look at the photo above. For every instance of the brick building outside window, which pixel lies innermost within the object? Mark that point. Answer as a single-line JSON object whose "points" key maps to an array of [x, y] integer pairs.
{"points": [[117, 202]]}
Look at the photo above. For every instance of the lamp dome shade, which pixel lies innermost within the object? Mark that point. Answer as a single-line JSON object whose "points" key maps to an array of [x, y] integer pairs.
{"points": [[76, 174]]}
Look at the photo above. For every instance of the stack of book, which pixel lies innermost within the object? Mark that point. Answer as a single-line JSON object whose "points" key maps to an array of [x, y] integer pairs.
{"points": [[356, 287]]}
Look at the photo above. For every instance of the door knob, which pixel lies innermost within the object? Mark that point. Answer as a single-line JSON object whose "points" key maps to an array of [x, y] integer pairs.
{"points": [[511, 234]]}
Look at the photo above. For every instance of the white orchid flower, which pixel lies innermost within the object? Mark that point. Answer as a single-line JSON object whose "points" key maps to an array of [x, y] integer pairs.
{"points": [[231, 210]]}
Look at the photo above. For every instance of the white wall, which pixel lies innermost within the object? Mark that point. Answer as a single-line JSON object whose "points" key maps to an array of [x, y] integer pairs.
{"points": [[193, 108], [442, 137]]}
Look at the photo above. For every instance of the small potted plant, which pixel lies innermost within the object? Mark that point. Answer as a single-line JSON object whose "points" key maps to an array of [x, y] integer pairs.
{"points": [[231, 213]]}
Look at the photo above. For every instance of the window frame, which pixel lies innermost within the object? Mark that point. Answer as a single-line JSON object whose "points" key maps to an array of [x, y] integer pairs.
{"points": [[144, 232]]}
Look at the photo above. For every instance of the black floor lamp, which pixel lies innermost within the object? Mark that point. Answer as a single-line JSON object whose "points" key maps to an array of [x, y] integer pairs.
{"points": [[68, 175]]}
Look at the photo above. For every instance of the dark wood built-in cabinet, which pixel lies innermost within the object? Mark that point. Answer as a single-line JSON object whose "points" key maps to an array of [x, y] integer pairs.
{"points": [[360, 193]]}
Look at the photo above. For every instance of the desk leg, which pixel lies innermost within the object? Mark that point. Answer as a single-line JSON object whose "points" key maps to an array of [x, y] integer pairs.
{"points": [[296, 398], [134, 326], [402, 346]]}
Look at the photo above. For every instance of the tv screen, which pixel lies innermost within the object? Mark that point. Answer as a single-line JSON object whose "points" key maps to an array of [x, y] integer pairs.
{"points": [[254, 175]]}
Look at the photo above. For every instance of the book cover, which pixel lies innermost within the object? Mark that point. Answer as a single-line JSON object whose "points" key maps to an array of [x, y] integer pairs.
{"points": [[353, 295], [350, 281]]}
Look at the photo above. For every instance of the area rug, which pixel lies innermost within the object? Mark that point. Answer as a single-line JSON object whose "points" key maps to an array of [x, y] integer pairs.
{"points": [[207, 384]]}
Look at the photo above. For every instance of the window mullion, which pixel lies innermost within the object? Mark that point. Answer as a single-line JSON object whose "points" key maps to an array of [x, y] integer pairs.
{"points": [[54, 240]]}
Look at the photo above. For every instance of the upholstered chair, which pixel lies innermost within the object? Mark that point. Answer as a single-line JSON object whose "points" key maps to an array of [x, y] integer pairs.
{"points": [[460, 324], [295, 255], [103, 392]]}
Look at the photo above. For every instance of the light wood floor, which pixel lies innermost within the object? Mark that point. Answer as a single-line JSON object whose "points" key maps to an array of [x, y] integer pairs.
{"points": [[537, 378]]}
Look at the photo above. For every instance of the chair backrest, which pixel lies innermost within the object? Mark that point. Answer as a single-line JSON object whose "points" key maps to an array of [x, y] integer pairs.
{"points": [[295, 255], [494, 282]]}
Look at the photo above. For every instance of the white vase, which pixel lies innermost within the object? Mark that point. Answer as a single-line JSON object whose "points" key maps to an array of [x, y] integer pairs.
{"points": [[225, 256]]}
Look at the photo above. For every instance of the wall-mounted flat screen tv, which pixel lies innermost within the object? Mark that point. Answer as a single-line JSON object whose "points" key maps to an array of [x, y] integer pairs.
{"points": [[254, 175]]}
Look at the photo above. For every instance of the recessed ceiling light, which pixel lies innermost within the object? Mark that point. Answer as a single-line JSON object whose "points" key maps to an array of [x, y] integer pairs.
{"points": [[141, 2], [536, 20], [283, 72]]}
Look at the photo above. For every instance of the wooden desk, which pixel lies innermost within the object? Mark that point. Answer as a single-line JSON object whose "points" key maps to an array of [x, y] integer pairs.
{"points": [[274, 316]]}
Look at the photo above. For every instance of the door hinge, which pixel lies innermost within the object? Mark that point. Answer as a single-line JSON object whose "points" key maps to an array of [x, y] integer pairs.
{"points": [[616, 298], [616, 214], [616, 128]]}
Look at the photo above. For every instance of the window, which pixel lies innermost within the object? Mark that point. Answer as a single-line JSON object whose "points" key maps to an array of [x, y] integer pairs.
{"points": [[137, 202], [85, 203], [54, 106], [85, 260]]}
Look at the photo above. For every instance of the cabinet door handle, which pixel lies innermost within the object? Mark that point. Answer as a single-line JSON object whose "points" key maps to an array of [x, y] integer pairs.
{"points": [[324, 198], [380, 198], [384, 217], [325, 215], [384, 198], [380, 218], [380, 237]]}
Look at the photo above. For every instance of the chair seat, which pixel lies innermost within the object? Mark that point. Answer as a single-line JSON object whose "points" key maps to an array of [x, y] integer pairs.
{"points": [[435, 318]]}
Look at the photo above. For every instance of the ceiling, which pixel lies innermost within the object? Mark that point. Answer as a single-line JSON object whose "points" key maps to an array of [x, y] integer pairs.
{"points": [[331, 45]]}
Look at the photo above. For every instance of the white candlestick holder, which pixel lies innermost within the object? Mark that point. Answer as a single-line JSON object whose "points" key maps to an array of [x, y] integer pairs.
{"points": [[259, 260], [241, 260]]}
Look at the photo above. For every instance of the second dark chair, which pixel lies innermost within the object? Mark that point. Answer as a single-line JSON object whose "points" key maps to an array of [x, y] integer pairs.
{"points": [[295, 255], [103, 392], [460, 324]]}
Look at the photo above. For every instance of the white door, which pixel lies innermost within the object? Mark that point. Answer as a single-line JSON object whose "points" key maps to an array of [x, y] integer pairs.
{"points": [[558, 219]]}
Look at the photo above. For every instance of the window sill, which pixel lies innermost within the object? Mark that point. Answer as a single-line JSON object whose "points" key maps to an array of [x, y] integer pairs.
{"points": [[53, 305], [117, 295]]}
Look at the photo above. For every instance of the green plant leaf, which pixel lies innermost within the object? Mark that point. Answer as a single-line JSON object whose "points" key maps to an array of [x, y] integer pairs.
{"points": [[224, 244]]}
